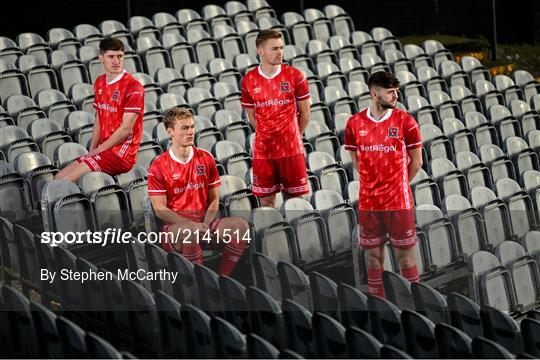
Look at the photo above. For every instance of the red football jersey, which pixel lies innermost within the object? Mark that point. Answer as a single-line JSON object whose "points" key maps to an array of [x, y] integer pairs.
{"points": [[274, 100], [124, 94], [381, 146], [185, 184]]}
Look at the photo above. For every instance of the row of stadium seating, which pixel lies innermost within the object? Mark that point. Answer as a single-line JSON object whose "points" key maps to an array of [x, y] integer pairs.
{"points": [[310, 315]]}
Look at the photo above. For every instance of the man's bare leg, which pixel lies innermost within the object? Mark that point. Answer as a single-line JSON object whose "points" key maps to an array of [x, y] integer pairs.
{"points": [[268, 200], [407, 263], [375, 264], [73, 172]]}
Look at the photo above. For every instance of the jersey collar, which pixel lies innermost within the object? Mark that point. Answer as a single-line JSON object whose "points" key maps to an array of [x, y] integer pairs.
{"points": [[269, 77], [386, 116], [171, 154], [117, 78]]}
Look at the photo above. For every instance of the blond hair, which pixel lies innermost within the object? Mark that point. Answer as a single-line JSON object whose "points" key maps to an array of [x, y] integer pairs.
{"points": [[174, 114]]}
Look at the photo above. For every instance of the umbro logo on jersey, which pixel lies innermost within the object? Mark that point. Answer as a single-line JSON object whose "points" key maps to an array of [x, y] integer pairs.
{"points": [[285, 86], [256, 90], [362, 133], [200, 169], [393, 132], [410, 233], [176, 176], [115, 95]]}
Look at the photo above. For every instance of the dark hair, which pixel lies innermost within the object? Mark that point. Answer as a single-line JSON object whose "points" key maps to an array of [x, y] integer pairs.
{"points": [[110, 44], [383, 79], [267, 34], [174, 114]]}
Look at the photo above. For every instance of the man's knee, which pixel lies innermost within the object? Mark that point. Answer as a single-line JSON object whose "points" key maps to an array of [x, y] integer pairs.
{"points": [[406, 258], [268, 200], [374, 261]]}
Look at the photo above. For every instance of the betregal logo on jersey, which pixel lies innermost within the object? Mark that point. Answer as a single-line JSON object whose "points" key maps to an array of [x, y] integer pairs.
{"points": [[274, 102], [379, 147]]}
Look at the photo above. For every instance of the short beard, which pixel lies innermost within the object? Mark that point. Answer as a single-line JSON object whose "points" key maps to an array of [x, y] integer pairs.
{"points": [[387, 106]]}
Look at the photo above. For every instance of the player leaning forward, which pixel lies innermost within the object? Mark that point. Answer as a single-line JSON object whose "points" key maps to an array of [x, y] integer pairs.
{"points": [[183, 186], [276, 99], [386, 149]]}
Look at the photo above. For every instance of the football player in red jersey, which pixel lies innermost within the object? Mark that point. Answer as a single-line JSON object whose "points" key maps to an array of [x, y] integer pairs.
{"points": [[183, 185], [386, 150], [276, 99], [119, 104]]}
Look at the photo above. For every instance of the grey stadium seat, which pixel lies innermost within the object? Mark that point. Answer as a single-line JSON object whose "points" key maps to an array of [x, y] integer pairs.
{"points": [[493, 283], [339, 217], [441, 247], [475, 69], [66, 153], [109, 201], [468, 223], [38, 170], [12, 80], [524, 271], [495, 213], [153, 54], [180, 50], [48, 134], [60, 38], [274, 236], [520, 206], [307, 225], [477, 172], [167, 23], [63, 197], [34, 44], [70, 69], [55, 104], [39, 75], [16, 200]]}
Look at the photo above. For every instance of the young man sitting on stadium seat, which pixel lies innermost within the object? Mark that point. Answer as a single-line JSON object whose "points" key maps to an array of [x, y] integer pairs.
{"points": [[119, 104], [183, 185]]}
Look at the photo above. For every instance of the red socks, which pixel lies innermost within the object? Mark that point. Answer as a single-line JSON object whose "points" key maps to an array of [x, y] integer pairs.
{"points": [[193, 253], [411, 274], [230, 256], [375, 282]]}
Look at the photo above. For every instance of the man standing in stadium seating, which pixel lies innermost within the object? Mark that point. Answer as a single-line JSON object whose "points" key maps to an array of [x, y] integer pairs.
{"points": [[183, 185], [119, 104], [386, 149], [276, 98]]}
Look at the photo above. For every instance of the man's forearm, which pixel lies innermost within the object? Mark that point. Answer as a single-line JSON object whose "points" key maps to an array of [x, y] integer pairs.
{"points": [[170, 217], [212, 211], [251, 118], [95, 136], [303, 121], [413, 169]]}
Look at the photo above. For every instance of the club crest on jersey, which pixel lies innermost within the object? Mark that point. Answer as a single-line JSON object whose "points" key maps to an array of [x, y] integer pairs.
{"points": [[115, 95], [99, 91], [285, 86], [200, 170], [393, 132]]}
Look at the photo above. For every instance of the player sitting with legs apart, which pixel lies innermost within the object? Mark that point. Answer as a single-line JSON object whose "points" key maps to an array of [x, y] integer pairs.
{"points": [[183, 185]]}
